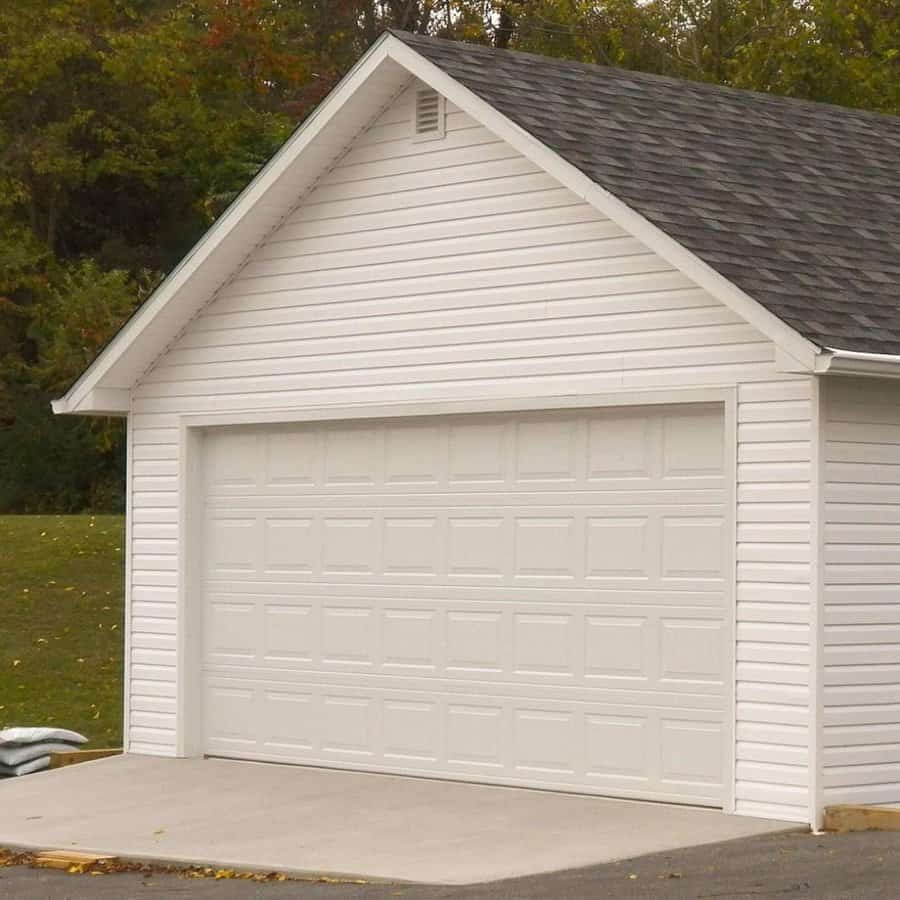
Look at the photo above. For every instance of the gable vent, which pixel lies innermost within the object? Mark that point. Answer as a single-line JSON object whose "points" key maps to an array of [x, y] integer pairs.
{"points": [[429, 114]]}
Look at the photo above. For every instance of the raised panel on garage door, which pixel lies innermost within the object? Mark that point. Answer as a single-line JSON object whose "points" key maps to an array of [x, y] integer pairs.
{"points": [[527, 598]]}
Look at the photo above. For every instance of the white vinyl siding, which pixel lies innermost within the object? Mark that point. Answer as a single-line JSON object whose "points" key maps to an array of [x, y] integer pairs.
{"points": [[456, 270], [861, 650]]}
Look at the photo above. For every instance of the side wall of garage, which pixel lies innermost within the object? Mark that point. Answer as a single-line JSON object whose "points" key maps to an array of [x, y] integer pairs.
{"points": [[861, 653], [454, 269]]}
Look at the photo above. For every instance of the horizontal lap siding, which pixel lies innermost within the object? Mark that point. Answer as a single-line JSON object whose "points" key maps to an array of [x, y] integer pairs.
{"points": [[862, 592], [456, 269]]}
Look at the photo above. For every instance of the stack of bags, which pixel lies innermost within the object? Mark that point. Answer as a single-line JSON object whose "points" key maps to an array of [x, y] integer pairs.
{"points": [[26, 750]]}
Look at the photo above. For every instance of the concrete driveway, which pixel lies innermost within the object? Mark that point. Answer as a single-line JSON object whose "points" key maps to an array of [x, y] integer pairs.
{"points": [[319, 821]]}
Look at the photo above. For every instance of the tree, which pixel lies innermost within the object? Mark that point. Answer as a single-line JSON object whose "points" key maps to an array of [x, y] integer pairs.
{"points": [[127, 126]]}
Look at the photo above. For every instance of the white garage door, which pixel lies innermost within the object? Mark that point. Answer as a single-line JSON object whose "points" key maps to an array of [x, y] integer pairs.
{"points": [[525, 598]]}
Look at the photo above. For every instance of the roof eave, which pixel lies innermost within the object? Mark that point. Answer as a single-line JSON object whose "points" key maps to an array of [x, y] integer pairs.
{"points": [[97, 402], [833, 361]]}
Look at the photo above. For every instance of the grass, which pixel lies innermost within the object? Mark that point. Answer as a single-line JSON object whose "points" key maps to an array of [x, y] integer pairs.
{"points": [[61, 623]]}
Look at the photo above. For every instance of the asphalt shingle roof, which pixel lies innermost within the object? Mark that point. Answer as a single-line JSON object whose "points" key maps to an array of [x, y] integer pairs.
{"points": [[797, 203]]}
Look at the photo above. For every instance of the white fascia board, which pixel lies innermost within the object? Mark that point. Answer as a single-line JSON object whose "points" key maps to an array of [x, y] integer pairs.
{"points": [[782, 335], [76, 398], [854, 362]]}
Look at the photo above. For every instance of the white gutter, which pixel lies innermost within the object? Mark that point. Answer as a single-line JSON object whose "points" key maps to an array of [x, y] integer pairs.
{"points": [[855, 362]]}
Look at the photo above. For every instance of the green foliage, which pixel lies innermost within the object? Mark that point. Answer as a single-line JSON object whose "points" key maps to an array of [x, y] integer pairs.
{"points": [[127, 126], [74, 318], [57, 464]]}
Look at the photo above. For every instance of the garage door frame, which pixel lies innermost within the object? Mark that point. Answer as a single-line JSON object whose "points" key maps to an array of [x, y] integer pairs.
{"points": [[192, 430]]}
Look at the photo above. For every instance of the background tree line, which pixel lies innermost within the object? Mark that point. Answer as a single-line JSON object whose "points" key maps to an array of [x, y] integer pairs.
{"points": [[126, 127]]}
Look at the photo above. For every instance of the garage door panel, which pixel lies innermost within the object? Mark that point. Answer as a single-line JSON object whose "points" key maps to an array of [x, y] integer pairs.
{"points": [[604, 747], [289, 632], [533, 643], [629, 547], [537, 599], [644, 450]]}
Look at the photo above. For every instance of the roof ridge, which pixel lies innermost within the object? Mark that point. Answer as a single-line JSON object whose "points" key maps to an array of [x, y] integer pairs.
{"points": [[781, 100]]}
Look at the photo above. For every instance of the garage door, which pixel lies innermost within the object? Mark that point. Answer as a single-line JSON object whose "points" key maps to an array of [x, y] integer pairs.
{"points": [[535, 599]]}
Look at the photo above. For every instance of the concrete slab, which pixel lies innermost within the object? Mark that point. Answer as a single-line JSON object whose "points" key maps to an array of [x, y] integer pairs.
{"points": [[320, 821]]}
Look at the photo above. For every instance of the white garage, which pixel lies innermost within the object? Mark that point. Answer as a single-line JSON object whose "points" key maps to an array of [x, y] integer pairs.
{"points": [[520, 423], [528, 598]]}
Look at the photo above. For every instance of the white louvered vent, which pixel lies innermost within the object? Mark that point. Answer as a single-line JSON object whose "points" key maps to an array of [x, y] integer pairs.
{"points": [[429, 115]]}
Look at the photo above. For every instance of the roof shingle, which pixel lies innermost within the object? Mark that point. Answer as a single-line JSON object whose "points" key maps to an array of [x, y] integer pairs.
{"points": [[797, 203]]}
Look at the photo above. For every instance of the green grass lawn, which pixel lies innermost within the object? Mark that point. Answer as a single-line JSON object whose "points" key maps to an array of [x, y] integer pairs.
{"points": [[61, 621]]}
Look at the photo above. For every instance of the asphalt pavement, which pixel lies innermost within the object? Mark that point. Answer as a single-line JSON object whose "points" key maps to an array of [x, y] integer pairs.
{"points": [[790, 865]]}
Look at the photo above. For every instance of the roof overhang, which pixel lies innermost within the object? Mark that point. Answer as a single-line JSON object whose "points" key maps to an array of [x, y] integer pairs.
{"points": [[385, 70], [852, 362]]}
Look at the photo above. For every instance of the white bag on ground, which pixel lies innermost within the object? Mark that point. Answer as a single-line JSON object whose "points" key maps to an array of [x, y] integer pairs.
{"points": [[34, 735], [16, 754], [26, 768]]}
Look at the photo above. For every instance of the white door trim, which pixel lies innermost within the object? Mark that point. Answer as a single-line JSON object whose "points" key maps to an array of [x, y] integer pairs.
{"points": [[191, 433], [459, 407]]}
